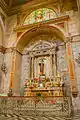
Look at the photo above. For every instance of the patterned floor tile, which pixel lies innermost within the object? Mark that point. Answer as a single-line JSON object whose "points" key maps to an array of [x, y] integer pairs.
{"points": [[26, 117], [58, 118]]}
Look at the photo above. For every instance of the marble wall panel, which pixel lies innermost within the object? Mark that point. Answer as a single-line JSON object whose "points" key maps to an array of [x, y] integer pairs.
{"points": [[17, 74], [62, 68], [25, 70], [75, 53], [10, 35], [5, 81], [1, 80], [61, 59], [6, 77], [73, 23]]}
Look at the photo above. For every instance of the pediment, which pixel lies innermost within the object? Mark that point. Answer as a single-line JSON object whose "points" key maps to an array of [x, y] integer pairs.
{"points": [[41, 45]]}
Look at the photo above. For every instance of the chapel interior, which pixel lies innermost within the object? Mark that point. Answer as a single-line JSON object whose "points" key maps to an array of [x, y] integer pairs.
{"points": [[40, 49]]}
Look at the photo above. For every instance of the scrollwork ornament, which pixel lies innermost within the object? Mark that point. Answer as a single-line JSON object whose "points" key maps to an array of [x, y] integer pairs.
{"points": [[78, 59], [4, 68]]}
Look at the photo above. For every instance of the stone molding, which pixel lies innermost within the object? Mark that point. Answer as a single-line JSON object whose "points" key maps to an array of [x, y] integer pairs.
{"points": [[8, 50], [55, 20]]}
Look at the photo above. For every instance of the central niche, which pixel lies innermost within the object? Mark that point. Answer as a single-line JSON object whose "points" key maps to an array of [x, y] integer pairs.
{"points": [[42, 60], [41, 70], [42, 66]]}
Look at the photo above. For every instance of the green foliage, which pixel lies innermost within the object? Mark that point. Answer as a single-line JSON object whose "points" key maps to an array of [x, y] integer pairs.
{"points": [[38, 94]]}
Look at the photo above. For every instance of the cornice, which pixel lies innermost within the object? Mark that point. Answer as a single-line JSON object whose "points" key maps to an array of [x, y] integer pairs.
{"points": [[52, 21], [5, 50], [8, 50]]}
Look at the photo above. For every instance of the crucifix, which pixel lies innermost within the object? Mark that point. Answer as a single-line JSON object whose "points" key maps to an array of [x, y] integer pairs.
{"points": [[41, 64]]}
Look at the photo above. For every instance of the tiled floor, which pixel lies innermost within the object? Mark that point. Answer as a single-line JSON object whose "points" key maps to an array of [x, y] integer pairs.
{"points": [[25, 117]]}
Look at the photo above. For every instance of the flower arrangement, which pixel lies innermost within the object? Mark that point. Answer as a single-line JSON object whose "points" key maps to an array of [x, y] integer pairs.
{"points": [[35, 79], [31, 87], [38, 94]]}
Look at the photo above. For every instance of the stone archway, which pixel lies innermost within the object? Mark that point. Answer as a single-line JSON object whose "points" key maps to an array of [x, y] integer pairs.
{"points": [[30, 37], [30, 33]]}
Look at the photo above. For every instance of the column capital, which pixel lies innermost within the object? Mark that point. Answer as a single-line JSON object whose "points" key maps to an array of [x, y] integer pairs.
{"points": [[32, 57], [51, 53], [68, 38]]}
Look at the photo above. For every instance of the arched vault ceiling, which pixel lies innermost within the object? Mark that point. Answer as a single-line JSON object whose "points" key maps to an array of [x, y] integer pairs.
{"points": [[34, 34], [14, 6], [16, 2]]}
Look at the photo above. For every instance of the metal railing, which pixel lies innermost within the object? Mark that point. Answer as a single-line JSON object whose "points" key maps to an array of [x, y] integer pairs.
{"points": [[58, 106]]}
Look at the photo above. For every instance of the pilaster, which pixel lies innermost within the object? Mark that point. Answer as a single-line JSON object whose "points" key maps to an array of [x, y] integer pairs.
{"points": [[51, 65], [71, 66], [55, 67], [32, 75]]}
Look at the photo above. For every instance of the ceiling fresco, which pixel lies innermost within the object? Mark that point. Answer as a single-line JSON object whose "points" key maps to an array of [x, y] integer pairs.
{"points": [[16, 2]]}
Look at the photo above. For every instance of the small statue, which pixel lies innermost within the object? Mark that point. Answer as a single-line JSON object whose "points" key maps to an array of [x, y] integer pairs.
{"points": [[78, 59], [10, 93]]}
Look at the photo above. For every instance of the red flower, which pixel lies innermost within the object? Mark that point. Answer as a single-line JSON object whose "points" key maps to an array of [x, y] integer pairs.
{"points": [[31, 87], [52, 101], [35, 79]]}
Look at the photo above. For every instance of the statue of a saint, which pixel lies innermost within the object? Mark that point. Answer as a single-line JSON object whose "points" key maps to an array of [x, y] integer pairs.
{"points": [[41, 64]]}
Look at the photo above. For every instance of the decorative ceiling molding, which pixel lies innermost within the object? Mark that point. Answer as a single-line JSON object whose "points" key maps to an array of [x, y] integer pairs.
{"points": [[31, 5], [24, 7], [34, 4]]}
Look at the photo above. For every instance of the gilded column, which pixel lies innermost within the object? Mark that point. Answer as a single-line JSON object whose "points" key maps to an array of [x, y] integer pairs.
{"points": [[32, 67], [55, 69], [51, 66], [37, 64]]}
